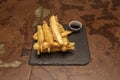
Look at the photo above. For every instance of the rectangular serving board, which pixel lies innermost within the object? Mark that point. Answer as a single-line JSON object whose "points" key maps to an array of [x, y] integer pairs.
{"points": [[80, 56]]}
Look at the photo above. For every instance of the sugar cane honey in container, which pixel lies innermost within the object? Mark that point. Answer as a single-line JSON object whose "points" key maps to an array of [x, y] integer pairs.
{"points": [[75, 25]]}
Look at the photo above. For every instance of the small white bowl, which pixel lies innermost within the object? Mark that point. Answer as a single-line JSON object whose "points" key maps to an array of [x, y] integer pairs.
{"points": [[75, 25]]}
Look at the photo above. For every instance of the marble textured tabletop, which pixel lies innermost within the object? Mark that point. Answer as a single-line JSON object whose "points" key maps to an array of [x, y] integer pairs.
{"points": [[100, 17]]}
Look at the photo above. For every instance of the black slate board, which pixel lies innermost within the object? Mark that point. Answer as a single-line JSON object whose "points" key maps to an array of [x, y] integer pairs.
{"points": [[80, 56]]}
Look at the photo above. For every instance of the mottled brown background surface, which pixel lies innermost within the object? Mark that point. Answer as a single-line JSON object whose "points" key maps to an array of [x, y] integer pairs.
{"points": [[101, 19]]}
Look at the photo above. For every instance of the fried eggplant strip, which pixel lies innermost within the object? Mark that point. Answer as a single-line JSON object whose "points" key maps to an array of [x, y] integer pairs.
{"points": [[65, 41], [65, 33], [36, 46], [55, 29], [47, 33], [35, 36], [60, 27], [40, 37]]}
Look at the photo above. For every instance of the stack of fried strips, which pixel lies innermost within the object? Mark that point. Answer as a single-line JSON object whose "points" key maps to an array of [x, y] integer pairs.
{"points": [[52, 38]]}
